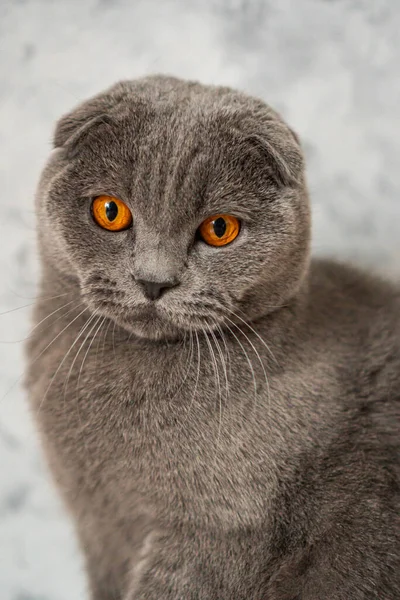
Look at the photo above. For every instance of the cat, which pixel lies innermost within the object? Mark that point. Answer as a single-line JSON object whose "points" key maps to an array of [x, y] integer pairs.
{"points": [[219, 411]]}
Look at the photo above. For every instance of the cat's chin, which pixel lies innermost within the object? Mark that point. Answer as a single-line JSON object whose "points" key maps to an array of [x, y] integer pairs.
{"points": [[154, 332], [155, 323], [157, 327], [151, 327]]}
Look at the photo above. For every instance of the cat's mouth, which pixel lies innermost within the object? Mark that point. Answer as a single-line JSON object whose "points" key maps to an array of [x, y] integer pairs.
{"points": [[153, 320], [157, 321], [144, 320], [169, 317]]}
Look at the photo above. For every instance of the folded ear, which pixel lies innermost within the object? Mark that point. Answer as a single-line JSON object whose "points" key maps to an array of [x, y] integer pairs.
{"points": [[71, 134], [261, 132], [77, 120], [281, 151], [77, 124], [281, 148]]}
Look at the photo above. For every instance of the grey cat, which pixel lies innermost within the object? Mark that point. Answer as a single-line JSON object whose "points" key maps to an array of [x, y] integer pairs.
{"points": [[220, 413]]}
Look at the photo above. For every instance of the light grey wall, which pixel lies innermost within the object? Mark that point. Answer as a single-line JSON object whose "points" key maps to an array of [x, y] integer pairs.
{"points": [[331, 67]]}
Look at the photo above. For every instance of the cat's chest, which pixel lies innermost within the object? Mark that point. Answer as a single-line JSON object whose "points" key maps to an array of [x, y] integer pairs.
{"points": [[181, 425]]}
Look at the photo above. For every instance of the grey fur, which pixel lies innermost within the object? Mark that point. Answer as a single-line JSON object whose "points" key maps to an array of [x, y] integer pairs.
{"points": [[241, 441]]}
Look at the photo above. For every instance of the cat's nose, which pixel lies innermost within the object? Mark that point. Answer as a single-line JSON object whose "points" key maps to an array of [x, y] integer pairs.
{"points": [[154, 289]]}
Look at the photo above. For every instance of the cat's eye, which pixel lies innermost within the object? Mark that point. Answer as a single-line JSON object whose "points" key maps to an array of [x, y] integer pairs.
{"points": [[111, 213], [219, 230]]}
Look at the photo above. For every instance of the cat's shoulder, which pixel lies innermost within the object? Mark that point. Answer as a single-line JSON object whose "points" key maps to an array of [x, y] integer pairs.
{"points": [[354, 306], [346, 283]]}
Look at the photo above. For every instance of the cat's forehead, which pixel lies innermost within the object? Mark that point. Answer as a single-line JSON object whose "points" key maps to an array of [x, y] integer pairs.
{"points": [[169, 164], [172, 149]]}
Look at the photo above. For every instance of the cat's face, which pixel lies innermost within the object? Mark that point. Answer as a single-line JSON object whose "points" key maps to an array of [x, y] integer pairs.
{"points": [[168, 156]]}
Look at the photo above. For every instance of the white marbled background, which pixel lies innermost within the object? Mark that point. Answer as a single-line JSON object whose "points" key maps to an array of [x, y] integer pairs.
{"points": [[331, 67]]}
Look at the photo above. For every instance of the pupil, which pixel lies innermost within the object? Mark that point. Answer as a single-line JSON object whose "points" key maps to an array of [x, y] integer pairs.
{"points": [[219, 227], [111, 210]]}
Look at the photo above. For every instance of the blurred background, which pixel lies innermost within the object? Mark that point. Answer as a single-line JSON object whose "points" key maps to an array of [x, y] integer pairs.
{"points": [[330, 67]]}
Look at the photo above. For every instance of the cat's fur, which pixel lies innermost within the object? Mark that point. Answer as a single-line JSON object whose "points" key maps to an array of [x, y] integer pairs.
{"points": [[241, 442]]}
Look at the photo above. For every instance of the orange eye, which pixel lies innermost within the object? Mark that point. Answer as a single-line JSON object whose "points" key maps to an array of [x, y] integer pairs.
{"points": [[111, 213], [219, 230]]}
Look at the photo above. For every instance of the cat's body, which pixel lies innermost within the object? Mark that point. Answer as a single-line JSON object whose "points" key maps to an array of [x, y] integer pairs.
{"points": [[253, 460]]}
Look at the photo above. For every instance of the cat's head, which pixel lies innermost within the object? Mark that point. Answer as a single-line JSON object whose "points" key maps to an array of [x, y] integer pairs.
{"points": [[174, 206]]}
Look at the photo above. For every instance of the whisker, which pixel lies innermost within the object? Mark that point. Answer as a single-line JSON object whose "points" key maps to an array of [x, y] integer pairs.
{"points": [[224, 368], [217, 379], [223, 362], [187, 365], [59, 367], [42, 321], [90, 344], [42, 351], [97, 349], [83, 329], [257, 354], [255, 333], [248, 362], [83, 361], [53, 313], [60, 333], [98, 345], [38, 297], [222, 334], [76, 356], [105, 336], [196, 384], [7, 312], [113, 339]]}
